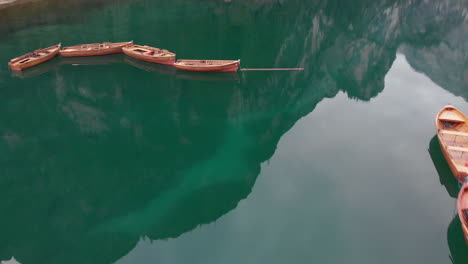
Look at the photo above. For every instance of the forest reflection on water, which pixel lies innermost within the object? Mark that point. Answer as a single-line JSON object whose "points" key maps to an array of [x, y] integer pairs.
{"points": [[112, 150]]}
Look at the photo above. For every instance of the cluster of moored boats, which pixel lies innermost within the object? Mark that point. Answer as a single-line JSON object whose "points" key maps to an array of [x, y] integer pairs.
{"points": [[452, 132], [146, 53]]}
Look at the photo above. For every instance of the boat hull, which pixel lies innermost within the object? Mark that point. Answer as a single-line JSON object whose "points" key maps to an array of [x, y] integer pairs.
{"points": [[89, 54], [452, 135], [168, 59], [228, 66], [462, 206], [53, 51], [94, 50]]}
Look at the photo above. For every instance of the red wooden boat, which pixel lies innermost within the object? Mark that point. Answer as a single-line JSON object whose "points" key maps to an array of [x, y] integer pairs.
{"points": [[452, 131], [208, 65], [34, 58], [94, 49], [150, 54], [462, 204]]}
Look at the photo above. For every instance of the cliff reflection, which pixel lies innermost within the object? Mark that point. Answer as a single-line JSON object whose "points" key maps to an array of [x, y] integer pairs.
{"points": [[104, 163], [111, 153], [98, 156]]}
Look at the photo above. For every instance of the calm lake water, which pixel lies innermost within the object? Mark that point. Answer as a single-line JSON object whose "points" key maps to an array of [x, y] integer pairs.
{"points": [[114, 160]]}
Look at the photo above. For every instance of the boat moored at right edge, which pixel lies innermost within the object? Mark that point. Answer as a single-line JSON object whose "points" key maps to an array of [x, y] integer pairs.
{"points": [[452, 131], [462, 205]]}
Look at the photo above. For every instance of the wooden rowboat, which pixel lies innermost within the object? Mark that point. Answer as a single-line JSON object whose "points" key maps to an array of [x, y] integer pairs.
{"points": [[208, 65], [94, 49], [34, 58], [452, 131], [462, 204], [150, 54]]}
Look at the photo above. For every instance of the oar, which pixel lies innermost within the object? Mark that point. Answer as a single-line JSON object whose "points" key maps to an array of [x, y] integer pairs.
{"points": [[272, 69]]}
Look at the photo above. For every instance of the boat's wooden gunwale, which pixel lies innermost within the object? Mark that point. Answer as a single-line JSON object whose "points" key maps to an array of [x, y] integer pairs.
{"points": [[31, 53], [81, 46], [208, 65], [27, 60], [94, 49], [457, 127]]}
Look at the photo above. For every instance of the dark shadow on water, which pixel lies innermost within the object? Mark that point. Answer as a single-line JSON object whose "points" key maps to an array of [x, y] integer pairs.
{"points": [[440, 163], [456, 242]]}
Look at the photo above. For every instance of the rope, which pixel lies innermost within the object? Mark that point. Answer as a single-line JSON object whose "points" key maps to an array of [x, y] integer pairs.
{"points": [[273, 69]]}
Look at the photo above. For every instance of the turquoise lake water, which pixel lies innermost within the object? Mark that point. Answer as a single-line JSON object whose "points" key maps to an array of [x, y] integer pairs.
{"points": [[114, 160]]}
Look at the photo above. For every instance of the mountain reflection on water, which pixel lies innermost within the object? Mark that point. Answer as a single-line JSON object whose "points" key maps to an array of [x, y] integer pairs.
{"points": [[95, 157]]}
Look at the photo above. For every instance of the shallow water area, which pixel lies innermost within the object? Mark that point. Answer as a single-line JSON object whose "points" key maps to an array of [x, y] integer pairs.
{"points": [[115, 160]]}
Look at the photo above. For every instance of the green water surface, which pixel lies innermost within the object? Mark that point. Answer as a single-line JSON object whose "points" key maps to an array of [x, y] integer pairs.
{"points": [[114, 160]]}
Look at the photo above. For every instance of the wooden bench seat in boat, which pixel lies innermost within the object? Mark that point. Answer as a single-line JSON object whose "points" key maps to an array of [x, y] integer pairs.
{"points": [[452, 132], [455, 133], [451, 117], [461, 168], [457, 148]]}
